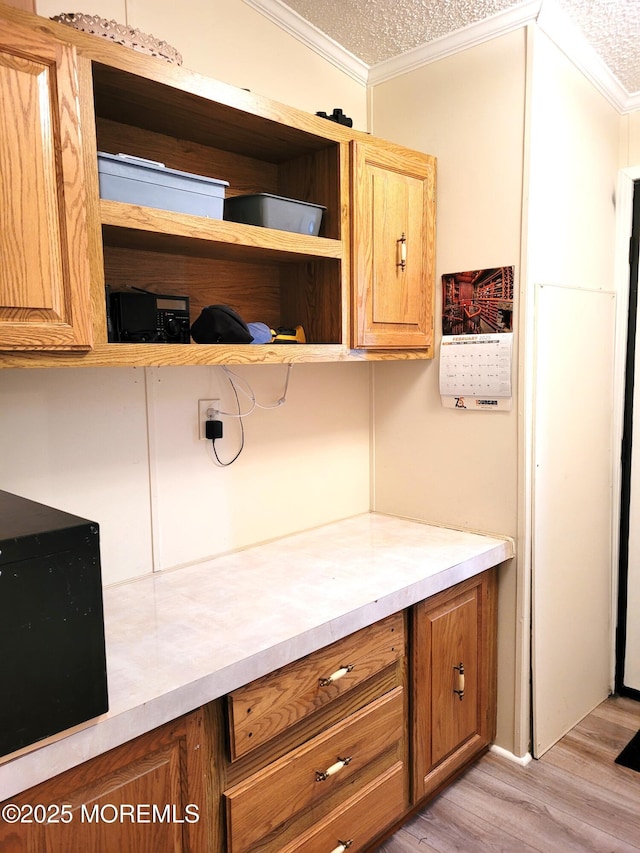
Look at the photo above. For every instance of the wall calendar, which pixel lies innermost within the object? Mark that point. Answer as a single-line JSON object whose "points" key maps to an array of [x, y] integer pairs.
{"points": [[476, 353]]}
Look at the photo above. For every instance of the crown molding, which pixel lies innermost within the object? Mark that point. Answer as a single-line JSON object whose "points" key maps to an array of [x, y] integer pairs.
{"points": [[632, 103], [547, 14], [556, 24], [470, 36], [312, 37]]}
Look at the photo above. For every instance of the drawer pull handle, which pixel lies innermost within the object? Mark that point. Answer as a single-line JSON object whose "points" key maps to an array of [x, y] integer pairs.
{"points": [[342, 846], [460, 680], [335, 676], [321, 775], [402, 252]]}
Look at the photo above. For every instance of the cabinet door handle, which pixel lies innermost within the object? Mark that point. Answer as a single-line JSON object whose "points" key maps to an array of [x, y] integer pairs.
{"points": [[321, 775], [335, 676], [460, 681], [342, 846], [402, 252]]}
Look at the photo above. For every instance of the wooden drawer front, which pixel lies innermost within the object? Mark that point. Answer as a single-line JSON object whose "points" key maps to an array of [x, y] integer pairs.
{"points": [[265, 801], [363, 817], [269, 705]]}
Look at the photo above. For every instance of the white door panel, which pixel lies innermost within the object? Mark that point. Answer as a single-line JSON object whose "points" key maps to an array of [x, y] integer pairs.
{"points": [[572, 494]]}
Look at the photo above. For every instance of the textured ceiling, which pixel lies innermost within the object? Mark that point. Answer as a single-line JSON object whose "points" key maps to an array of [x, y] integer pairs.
{"points": [[612, 27], [377, 30]]}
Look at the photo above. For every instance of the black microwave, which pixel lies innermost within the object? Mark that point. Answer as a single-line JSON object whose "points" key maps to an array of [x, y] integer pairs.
{"points": [[52, 643]]}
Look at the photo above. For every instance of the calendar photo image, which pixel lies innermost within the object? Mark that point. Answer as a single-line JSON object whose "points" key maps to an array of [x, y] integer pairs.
{"points": [[478, 302]]}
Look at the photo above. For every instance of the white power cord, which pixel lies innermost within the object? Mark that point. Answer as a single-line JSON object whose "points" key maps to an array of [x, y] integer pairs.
{"points": [[239, 384], [243, 386]]}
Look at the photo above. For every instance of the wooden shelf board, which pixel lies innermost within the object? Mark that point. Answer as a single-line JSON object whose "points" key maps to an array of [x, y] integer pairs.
{"points": [[132, 226], [167, 355], [160, 97]]}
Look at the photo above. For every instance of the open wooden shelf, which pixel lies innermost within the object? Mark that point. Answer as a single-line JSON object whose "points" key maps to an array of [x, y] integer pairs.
{"points": [[105, 98], [133, 227]]}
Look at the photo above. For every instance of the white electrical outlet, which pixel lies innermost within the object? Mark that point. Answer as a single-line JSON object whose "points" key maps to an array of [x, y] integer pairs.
{"points": [[205, 414]]}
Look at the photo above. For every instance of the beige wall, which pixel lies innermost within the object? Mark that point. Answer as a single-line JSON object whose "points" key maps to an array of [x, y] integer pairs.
{"points": [[443, 465], [230, 41], [120, 446], [467, 110]]}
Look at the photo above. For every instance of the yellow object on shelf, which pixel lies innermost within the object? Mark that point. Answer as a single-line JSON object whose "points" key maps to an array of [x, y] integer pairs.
{"points": [[288, 336]]}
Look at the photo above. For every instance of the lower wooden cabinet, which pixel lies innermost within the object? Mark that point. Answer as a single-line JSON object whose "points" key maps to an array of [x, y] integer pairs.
{"points": [[318, 779], [453, 681], [359, 819], [269, 706], [147, 796], [331, 745], [326, 754]]}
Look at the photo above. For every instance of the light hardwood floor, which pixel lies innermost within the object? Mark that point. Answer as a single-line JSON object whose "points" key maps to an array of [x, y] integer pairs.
{"points": [[575, 798]]}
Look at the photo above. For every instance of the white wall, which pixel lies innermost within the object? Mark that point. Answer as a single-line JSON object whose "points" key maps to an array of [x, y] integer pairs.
{"points": [[575, 139], [444, 465], [575, 136]]}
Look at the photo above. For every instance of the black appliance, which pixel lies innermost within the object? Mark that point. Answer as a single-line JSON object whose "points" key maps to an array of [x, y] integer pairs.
{"points": [[53, 672], [136, 316]]}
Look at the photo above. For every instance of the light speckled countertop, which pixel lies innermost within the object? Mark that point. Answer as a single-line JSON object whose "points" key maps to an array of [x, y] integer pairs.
{"points": [[180, 639]]}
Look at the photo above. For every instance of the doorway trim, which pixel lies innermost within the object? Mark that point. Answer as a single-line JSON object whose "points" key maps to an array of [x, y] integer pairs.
{"points": [[626, 189], [624, 216]]}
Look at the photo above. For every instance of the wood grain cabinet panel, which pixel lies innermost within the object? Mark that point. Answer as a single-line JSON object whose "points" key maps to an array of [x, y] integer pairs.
{"points": [[44, 272], [453, 680], [393, 221], [305, 777], [361, 818], [266, 707], [147, 796]]}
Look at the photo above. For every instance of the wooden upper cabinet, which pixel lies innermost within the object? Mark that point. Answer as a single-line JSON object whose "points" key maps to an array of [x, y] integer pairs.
{"points": [[25, 5], [393, 221], [44, 273], [363, 288]]}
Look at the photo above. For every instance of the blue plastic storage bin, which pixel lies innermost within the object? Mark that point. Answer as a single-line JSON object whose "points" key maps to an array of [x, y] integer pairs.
{"points": [[134, 180]]}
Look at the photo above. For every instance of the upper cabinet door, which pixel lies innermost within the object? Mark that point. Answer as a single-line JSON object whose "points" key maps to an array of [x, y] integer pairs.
{"points": [[393, 223], [44, 263]]}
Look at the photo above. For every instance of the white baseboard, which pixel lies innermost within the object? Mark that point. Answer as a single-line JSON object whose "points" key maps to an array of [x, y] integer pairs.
{"points": [[504, 753]]}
